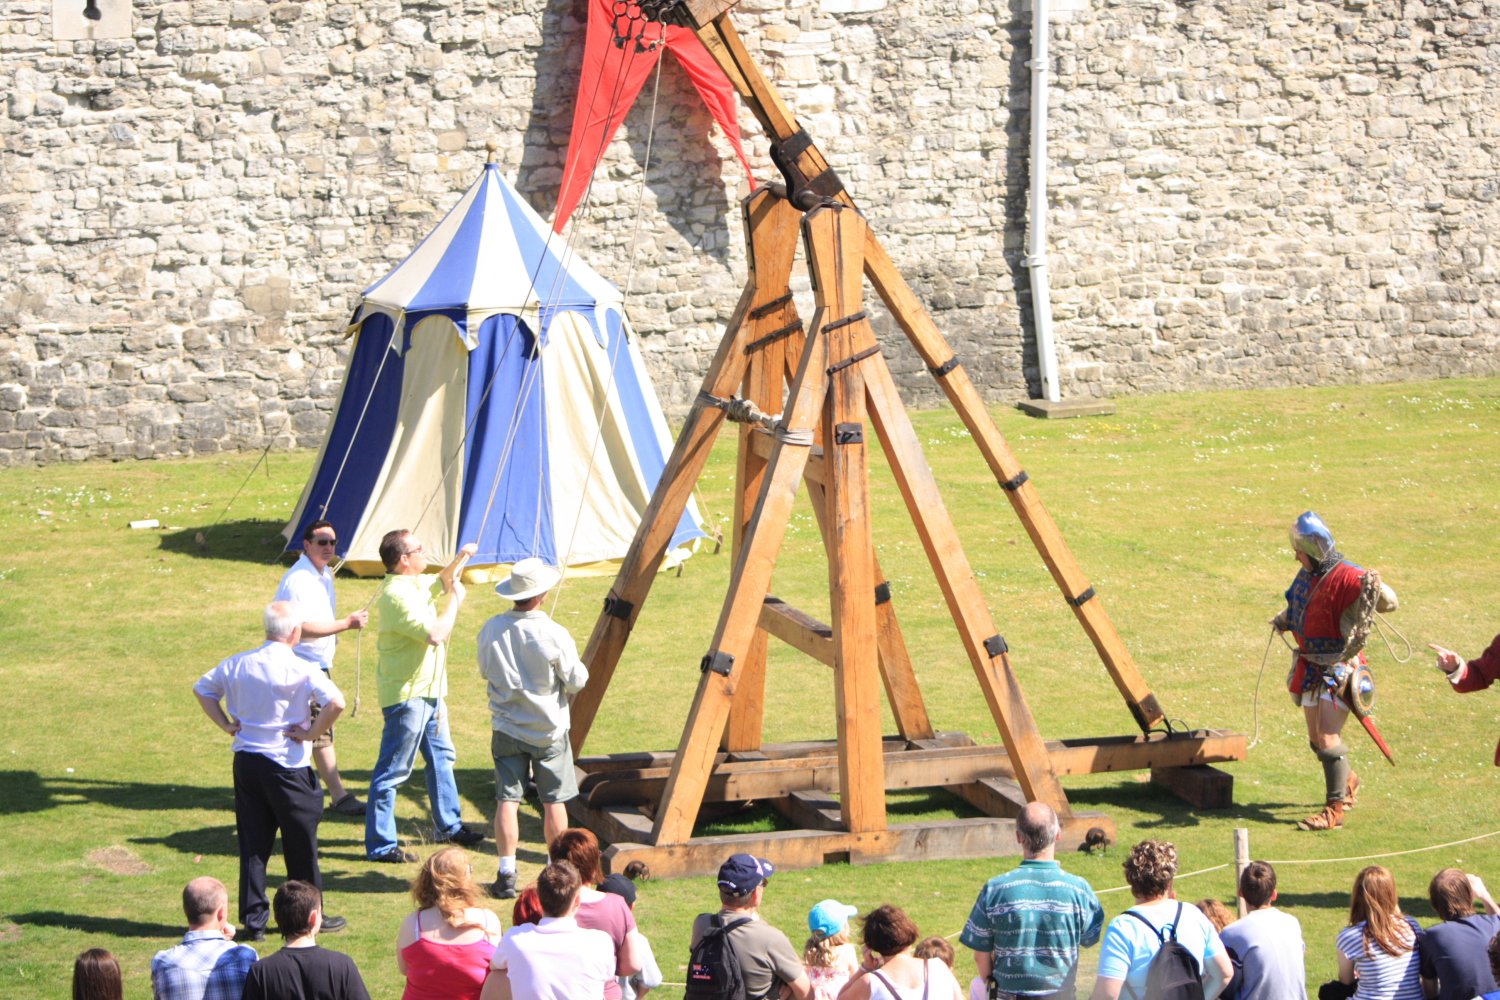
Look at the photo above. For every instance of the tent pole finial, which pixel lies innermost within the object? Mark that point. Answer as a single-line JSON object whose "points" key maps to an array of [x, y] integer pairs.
{"points": [[494, 148]]}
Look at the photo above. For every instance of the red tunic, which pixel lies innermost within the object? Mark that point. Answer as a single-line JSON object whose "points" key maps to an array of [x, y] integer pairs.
{"points": [[1314, 605], [1480, 674]]}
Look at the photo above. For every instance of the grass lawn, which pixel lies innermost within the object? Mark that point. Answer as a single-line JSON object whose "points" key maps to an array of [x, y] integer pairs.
{"points": [[114, 790]]}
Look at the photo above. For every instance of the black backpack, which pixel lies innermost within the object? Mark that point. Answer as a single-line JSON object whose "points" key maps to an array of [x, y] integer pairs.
{"points": [[1174, 973], [713, 968]]}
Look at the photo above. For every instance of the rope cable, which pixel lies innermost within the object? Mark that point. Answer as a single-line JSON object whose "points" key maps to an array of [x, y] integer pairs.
{"points": [[552, 298], [202, 538], [620, 338]]}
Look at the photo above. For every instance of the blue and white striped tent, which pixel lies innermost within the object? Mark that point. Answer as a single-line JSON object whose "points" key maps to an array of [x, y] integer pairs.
{"points": [[494, 394]]}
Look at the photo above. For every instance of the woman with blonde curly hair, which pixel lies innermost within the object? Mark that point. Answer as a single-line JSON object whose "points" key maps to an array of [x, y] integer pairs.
{"points": [[1135, 936], [1380, 943], [444, 948]]}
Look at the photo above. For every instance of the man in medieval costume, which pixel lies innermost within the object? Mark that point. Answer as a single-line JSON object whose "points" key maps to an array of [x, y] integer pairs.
{"points": [[1329, 608]]}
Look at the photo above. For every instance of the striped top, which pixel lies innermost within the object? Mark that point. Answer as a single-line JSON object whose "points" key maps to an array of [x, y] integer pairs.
{"points": [[1382, 976], [1032, 920]]}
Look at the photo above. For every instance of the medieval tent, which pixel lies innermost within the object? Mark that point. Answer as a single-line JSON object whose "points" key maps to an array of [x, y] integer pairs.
{"points": [[494, 394]]}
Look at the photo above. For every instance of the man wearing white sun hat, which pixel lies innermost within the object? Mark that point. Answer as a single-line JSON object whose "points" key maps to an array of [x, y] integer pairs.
{"points": [[533, 668]]}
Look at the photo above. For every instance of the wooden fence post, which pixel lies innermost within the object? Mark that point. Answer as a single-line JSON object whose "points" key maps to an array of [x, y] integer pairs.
{"points": [[1241, 862]]}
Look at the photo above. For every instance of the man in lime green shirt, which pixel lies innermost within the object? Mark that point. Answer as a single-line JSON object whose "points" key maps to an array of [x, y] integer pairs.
{"points": [[412, 679]]}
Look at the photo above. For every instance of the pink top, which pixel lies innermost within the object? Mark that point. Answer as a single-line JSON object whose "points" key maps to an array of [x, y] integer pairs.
{"points": [[826, 983], [437, 970], [610, 914]]}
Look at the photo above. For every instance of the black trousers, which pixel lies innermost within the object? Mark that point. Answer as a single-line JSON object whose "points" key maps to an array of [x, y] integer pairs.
{"points": [[267, 798]]}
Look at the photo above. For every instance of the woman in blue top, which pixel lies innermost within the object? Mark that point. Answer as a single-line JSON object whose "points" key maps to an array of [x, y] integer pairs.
{"points": [[1134, 937], [1380, 943]]}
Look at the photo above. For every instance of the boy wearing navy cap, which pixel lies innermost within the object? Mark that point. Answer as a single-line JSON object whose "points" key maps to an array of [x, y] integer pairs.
{"points": [[767, 960]]}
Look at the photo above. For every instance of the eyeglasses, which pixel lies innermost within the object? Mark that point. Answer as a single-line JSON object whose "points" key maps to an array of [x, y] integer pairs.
{"points": [[325, 541]]}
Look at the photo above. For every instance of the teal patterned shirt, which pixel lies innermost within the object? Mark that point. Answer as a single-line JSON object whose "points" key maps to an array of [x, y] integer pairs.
{"points": [[1032, 920]]}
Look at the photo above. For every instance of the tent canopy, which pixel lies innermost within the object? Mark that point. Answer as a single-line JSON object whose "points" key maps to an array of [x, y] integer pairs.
{"points": [[494, 394]]}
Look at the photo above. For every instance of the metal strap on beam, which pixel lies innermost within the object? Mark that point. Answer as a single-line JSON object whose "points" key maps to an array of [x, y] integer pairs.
{"points": [[1082, 598], [771, 338], [770, 307], [868, 352]]}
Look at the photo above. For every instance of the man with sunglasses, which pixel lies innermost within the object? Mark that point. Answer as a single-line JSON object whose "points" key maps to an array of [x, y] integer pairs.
{"points": [[308, 585]]}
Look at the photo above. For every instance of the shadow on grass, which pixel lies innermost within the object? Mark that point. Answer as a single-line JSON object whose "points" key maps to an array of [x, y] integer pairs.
{"points": [[1171, 811], [256, 541], [371, 882], [27, 791], [1413, 906], [113, 926], [214, 841]]}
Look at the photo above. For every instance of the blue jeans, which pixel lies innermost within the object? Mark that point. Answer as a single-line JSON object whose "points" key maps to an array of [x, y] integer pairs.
{"points": [[419, 724]]}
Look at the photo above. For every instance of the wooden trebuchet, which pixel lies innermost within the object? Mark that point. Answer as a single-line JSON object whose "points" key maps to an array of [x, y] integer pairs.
{"points": [[809, 399]]}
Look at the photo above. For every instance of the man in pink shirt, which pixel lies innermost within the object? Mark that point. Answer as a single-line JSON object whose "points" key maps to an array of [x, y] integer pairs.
{"points": [[554, 959]]}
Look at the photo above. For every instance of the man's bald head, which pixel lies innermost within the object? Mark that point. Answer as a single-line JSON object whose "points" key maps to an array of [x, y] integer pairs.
{"points": [[282, 621], [1037, 829], [202, 899]]}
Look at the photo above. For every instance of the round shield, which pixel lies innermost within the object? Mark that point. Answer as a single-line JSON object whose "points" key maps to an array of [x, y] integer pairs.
{"points": [[1360, 690]]}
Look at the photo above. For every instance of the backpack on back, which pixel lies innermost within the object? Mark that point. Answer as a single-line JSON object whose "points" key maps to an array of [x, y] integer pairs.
{"points": [[713, 968], [1173, 973]]}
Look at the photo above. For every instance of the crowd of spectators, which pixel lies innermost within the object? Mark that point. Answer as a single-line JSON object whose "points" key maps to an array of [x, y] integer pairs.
{"points": [[573, 936]]}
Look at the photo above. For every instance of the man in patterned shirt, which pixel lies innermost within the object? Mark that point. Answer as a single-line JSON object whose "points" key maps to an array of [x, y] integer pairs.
{"points": [[208, 965], [1028, 924]]}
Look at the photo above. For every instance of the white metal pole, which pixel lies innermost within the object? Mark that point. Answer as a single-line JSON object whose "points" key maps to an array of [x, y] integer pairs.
{"points": [[1036, 254]]}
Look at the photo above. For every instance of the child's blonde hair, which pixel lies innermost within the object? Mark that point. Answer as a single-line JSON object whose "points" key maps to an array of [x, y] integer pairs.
{"points": [[935, 947], [819, 952]]}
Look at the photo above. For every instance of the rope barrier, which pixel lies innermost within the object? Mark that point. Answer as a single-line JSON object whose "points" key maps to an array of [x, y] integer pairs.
{"points": [[1328, 861]]}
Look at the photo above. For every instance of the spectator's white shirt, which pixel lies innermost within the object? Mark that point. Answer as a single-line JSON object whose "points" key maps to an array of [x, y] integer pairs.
{"points": [[532, 666], [269, 690], [312, 593], [555, 960], [649, 978]]}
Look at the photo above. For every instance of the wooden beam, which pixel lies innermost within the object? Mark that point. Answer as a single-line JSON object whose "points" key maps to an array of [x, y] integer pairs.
{"points": [[774, 778], [835, 238], [749, 583], [791, 850], [797, 629], [723, 42], [764, 382], [1201, 786], [810, 810], [950, 565], [771, 225], [794, 750]]}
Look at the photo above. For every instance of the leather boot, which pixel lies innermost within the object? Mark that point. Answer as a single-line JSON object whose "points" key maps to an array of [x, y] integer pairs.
{"points": [[1331, 818]]}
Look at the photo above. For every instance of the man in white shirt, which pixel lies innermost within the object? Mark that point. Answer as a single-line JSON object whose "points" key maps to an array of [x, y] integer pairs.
{"points": [[532, 666], [1266, 941], [309, 586], [268, 693], [554, 959]]}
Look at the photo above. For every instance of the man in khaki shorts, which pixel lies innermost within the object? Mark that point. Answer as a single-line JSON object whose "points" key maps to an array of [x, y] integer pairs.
{"points": [[532, 666]]}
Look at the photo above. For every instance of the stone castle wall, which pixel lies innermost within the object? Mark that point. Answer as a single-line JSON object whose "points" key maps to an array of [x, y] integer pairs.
{"points": [[1244, 194]]}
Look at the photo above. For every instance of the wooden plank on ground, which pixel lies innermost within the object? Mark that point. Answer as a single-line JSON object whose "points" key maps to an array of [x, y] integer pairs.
{"points": [[810, 810], [773, 778], [791, 850], [770, 751]]}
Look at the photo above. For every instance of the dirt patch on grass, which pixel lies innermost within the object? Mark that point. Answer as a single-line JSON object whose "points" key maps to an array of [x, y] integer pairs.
{"points": [[10, 932], [118, 861]]}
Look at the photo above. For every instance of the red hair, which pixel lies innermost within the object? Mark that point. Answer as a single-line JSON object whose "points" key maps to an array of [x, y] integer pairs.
{"points": [[528, 908]]}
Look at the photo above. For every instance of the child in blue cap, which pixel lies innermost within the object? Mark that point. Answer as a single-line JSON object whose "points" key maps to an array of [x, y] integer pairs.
{"points": [[829, 957]]}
